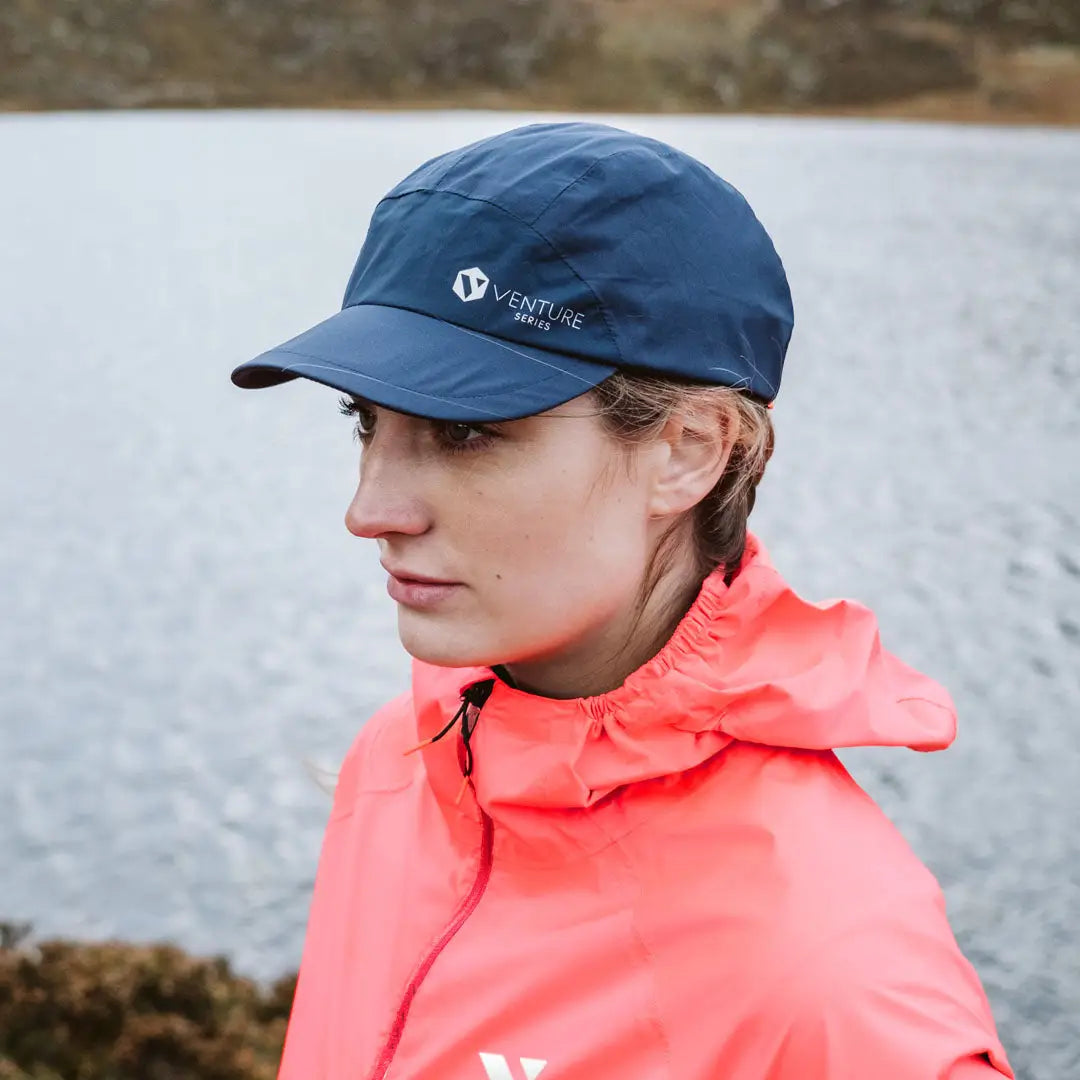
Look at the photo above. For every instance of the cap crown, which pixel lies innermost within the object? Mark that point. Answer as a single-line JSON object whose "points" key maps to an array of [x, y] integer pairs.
{"points": [[590, 241]]}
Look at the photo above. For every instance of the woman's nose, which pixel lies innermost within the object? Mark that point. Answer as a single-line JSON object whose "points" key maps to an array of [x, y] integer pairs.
{"points": [[385, 502]]}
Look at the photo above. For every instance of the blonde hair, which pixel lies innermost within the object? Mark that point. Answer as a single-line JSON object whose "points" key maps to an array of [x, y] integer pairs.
{"points": [[633, 409]]}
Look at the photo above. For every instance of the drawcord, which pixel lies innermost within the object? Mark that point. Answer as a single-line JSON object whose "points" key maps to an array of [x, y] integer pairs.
{"points": [[474, 695]]}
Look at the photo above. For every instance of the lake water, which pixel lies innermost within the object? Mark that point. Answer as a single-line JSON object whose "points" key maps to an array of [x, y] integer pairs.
{"points": [[186, 621]]}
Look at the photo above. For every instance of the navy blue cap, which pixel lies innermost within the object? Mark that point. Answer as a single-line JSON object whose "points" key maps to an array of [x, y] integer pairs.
{"points": [[513, 274]]}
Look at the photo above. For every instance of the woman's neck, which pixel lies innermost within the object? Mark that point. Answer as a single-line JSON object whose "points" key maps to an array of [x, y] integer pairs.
{"points": [[603, 659]]}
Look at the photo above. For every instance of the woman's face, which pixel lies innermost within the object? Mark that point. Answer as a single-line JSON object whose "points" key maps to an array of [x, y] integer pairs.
{"points": [[540, 524]]}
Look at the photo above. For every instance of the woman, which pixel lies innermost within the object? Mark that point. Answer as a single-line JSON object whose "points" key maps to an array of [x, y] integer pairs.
{"points": [[604, 835]]}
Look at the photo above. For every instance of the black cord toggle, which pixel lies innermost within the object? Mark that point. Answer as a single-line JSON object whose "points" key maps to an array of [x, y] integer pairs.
{"points": [[473, 695]]}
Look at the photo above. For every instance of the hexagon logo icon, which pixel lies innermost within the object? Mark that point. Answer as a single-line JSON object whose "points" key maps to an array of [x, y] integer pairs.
{"points": [[471, 284]]}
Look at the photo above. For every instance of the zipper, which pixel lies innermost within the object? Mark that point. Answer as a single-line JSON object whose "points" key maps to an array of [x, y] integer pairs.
{"points": [[465, 909]]}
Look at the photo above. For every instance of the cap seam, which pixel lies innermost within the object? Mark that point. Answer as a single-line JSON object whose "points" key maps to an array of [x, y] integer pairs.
{"points": [[492, 339], [503, 345], [321, 362], [528, 225], [577, 180]]}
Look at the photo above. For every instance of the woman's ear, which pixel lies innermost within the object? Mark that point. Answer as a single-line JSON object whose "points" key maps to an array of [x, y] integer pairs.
{"points": [[690, 463]]}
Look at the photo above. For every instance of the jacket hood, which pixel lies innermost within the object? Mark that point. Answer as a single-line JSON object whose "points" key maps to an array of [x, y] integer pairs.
{"points": [[752, 661]]}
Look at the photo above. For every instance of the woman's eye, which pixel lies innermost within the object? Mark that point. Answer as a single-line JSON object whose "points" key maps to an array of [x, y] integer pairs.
{"points": [[459, 433], [364, 422], [451, 435]]}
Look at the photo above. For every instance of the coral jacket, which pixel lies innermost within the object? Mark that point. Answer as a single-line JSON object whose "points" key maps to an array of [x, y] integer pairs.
{"points": [[676, 880]]}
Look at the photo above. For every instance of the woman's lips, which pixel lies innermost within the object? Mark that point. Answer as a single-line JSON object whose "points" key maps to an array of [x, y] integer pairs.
{"points": [[419, 594]]}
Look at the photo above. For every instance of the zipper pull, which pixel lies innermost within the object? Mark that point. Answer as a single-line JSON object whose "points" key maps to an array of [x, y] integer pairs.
{"points": [[461, 790]]}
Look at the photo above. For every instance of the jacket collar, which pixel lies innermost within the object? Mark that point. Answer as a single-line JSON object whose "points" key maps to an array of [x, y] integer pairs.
{"points": [[752, 661]]}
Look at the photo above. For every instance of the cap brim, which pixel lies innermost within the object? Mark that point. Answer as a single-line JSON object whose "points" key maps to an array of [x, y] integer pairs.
{"points": [[417, 364]]}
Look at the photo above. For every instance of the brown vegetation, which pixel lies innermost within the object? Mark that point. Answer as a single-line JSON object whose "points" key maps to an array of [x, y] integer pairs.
{"points": [[975, 59], [114, 1011]]}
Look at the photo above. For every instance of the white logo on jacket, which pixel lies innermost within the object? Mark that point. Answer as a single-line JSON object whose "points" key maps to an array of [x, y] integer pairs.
{"points": [[498, 1068]]}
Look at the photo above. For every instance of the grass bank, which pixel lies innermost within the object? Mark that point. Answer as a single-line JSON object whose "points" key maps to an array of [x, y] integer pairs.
{"points": [[967, 60]]}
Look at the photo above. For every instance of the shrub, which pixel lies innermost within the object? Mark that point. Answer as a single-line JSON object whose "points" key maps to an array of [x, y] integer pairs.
{"points": [[114, 1011]]}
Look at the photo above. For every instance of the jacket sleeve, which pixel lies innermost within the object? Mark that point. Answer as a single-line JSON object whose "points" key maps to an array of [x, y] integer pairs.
{"points": [[305, 1047], [893, 998]]}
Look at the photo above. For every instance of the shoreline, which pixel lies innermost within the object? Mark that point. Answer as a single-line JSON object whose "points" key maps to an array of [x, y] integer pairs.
{"points": [[931, 111]]}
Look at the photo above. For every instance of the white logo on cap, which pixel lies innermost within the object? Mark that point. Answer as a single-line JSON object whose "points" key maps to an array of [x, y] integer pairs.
{"points": [[471, 284]]}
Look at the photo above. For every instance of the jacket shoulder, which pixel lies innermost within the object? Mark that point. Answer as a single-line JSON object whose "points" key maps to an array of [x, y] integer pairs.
{"points": [[889, 996], [815, 905]]}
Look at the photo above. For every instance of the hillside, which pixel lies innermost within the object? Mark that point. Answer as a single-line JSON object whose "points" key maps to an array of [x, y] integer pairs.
{"points": [[1011, 60]]}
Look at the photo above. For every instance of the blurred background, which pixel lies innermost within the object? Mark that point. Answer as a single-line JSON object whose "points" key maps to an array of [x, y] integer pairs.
{"points": [[972, 59], [190, 639]]}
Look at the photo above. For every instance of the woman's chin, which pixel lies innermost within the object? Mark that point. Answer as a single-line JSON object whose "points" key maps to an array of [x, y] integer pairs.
{"points": [[442, 643]]}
